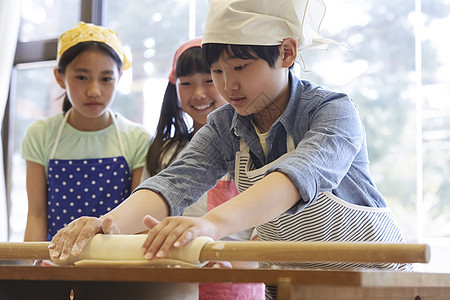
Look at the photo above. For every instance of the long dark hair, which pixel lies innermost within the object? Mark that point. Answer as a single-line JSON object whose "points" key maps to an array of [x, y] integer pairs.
{"points": [[172, 131], [70, 54]]}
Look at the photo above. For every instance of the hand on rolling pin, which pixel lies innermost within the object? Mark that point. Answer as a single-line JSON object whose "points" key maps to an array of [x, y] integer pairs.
{"points": [[71, 239], [174, 232]]}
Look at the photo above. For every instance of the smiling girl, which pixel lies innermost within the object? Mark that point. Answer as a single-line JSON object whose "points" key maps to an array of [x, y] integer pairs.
{"points": [[85, 160], [190, 90]]}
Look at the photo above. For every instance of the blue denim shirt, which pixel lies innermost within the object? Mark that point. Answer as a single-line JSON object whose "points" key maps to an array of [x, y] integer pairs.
{"points": [[331, 151]]}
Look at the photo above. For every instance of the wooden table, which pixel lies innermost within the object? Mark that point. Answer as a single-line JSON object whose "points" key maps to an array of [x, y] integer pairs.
{"points": [[35, 282]]}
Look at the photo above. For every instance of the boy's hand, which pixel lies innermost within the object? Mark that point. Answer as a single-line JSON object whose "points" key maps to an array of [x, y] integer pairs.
{"points": [[73, 238], [173, 232]]}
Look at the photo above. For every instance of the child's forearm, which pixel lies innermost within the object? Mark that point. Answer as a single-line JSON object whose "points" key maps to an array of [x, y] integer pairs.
{"points": [[265, 200], [129, 215], [136, 178], [36, 229]]}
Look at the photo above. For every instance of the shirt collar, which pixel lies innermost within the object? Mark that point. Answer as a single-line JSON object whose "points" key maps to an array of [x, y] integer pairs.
{"points": [[288, 116]]}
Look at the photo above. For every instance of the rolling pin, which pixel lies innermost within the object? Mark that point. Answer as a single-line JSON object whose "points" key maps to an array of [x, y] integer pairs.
{"points": [[316, 252], [276, 251]]}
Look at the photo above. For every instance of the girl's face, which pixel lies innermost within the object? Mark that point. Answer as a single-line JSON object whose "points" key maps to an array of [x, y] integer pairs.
{"points": [[252, 87], [198, 97], [90, 81]]}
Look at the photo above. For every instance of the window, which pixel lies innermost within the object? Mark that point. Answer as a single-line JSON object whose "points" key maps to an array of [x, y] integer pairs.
{"points": [[397, 70], [34, 92], [152, 37], [150, 42], [41, 98], [43, 20]]}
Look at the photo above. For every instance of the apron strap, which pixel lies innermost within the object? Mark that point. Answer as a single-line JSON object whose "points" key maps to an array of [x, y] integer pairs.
{"points": [[242, 145], [119, 138], [58, 136], [61, 127]]}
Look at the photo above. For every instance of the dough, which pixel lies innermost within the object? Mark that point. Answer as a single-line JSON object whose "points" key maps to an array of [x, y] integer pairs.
{"points": [[118, 249], [158, 262]]}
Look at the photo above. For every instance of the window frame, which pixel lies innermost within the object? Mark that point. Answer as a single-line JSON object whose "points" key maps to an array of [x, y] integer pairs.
{"points": [[92, 11]]}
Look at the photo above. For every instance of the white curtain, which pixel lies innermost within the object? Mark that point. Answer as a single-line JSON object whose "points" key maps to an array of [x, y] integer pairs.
{"points": [[9, 31]]}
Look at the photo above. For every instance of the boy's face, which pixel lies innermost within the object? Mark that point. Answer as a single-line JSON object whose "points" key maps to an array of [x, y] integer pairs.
{"points": [[252, 87]]}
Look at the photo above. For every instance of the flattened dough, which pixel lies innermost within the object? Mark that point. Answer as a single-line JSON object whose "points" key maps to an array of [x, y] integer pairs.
{"points": [[159, 262], [127, 248]]}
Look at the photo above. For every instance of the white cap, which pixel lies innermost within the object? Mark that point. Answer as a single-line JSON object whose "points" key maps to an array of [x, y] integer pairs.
{"points": [[265, 22]]}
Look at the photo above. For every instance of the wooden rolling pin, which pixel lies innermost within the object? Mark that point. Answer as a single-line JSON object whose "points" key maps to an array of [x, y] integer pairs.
{"points": [[268, 251], [25, 250], [315, 252]]}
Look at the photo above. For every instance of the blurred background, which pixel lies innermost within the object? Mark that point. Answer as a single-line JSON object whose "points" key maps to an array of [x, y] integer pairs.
{"points": [[397, 70]]}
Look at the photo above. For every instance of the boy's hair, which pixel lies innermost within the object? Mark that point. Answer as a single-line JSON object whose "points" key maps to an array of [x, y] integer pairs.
{"points": [[173, 131], [70, 54], [212, 51]]}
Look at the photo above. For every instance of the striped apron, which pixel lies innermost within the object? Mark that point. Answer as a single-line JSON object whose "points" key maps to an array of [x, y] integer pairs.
{"points": [[328, 219]]}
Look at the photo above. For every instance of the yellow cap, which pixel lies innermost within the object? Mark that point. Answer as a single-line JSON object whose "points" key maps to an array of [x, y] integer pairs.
{"points": [[84, 32]]}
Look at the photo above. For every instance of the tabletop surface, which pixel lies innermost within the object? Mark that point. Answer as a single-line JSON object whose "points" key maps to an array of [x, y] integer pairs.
{"points": [[366, 278]]}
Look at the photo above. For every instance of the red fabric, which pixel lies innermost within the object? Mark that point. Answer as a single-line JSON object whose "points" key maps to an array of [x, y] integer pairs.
{"points": [[234, 291], [197, 42], [222, 192]]}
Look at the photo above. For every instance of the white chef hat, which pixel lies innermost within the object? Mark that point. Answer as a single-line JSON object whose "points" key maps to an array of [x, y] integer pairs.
{"points": [[266, 22]]}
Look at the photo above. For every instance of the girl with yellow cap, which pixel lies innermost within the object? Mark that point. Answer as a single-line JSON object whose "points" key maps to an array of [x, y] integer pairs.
{"points": [[297, 151], [85, 160]]}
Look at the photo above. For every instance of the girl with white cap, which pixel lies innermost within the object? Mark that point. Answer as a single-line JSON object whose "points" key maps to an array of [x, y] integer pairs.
{"points": [[85, 160], [297, 151]]}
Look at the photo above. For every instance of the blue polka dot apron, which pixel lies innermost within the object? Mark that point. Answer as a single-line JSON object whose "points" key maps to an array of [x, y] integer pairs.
{"points": [[84, 187], [328, 219]]}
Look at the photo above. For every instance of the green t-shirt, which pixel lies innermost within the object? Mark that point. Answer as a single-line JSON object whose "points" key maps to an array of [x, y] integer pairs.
{"points": [[40, 139]]}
